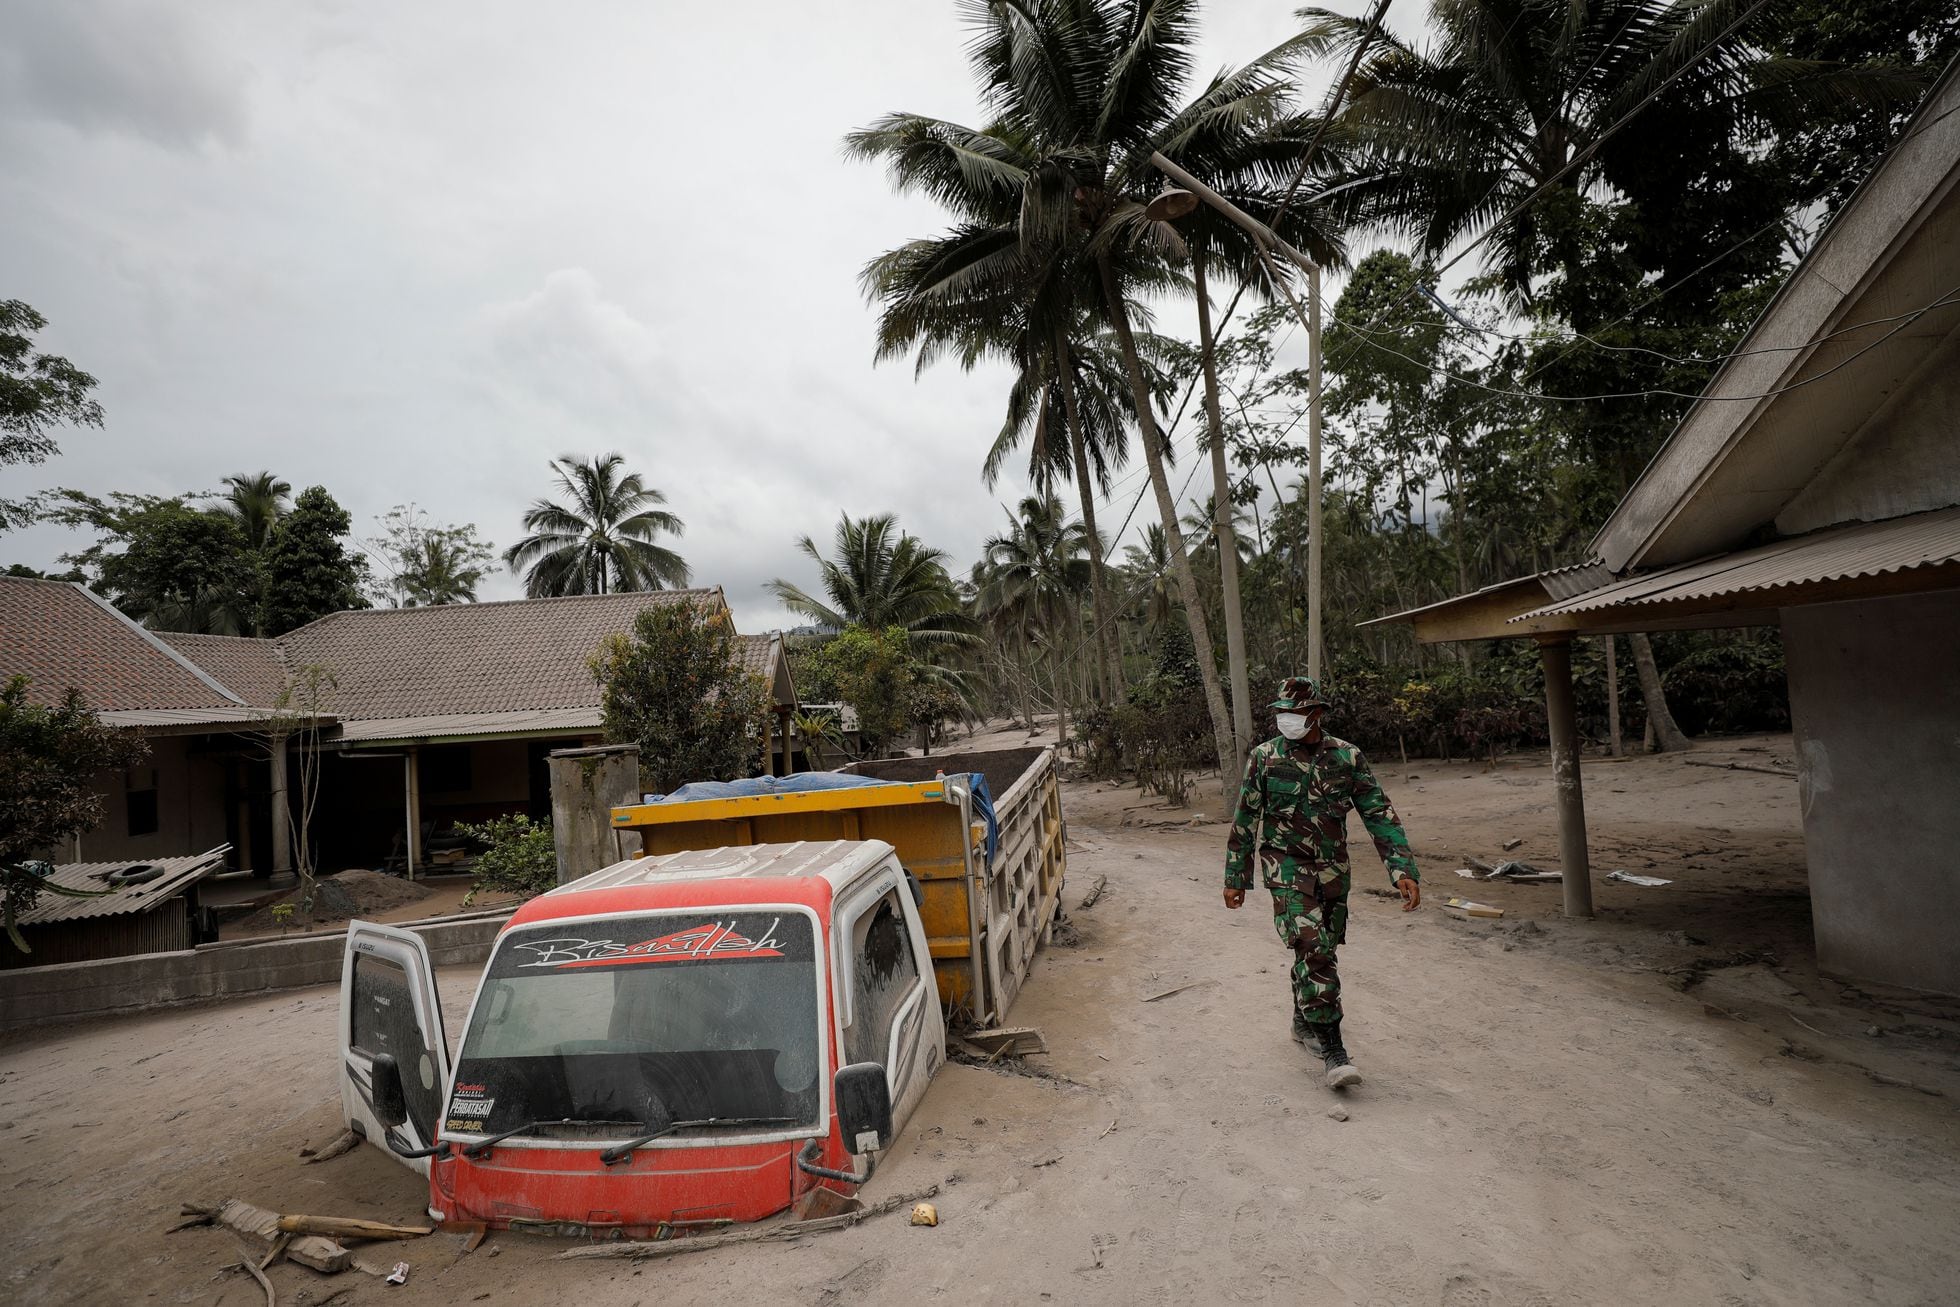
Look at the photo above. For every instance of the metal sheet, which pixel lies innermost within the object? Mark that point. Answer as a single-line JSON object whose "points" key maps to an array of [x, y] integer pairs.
{"points": [[1866, 549], [178, 873], [441, 725]]}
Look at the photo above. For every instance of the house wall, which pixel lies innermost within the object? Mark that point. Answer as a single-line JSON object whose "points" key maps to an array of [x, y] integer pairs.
{"points": [[190, 804], [1906, 460], [1875, 698]]}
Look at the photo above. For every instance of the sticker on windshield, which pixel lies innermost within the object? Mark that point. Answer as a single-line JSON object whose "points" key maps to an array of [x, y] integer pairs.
{"points": [[713, 939]]}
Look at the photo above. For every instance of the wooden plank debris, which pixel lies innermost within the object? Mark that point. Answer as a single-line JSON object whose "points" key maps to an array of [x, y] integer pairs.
{"points": [[1006, 1041], [1179, 990], [347, 1227]]}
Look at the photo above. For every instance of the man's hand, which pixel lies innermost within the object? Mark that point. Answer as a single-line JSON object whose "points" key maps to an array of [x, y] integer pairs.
{"points": [[1234, 899], [1411, 893]]}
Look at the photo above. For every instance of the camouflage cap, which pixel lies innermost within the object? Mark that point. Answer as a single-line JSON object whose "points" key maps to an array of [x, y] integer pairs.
{"points": [[1297, 692]]}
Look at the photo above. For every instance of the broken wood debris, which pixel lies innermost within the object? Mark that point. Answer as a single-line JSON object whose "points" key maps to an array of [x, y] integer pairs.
{"points": [[346, 1142], [643, 1249], [243, 1218], [1004, 1041], [343, 1227], [1095, 893], [1740, 766], [1179, 990]]}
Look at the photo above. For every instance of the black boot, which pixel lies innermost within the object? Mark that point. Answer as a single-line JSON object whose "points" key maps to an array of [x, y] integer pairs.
{"points": [[1341, 1070]]}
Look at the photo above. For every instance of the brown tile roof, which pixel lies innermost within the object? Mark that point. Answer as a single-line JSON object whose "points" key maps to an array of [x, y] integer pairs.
{"points": [[754, 651], [521, 655], [249, 668], [60, 635]]}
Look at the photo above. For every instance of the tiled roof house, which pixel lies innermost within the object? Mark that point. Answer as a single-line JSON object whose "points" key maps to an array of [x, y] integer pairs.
{"points": [[467, 698]]}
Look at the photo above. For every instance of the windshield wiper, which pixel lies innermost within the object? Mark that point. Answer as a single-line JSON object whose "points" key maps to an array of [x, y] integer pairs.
{"points": [[482, 1147], [623, 1152]]}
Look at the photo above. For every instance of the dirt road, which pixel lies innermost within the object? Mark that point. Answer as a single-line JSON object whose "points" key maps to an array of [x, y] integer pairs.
{"points": [[1663, 1105]]}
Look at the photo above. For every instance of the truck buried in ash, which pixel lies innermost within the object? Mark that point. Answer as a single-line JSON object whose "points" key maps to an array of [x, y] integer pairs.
{"points": [[747, 1011]]}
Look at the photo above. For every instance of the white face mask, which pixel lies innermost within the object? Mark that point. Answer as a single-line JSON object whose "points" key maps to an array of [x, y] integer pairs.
{"points": [[1292, 725]]}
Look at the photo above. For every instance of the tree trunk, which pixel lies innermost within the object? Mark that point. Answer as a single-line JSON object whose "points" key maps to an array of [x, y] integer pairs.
{"points": [[1222, 513], [1666, 733], [1106, 638], [1187, 581]]}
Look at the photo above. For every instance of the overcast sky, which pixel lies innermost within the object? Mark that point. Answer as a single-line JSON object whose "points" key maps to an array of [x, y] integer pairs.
{"points": [[413, 252]]}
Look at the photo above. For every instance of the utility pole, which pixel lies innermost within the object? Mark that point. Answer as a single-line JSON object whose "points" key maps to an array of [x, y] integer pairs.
{"points": [[1314, 550], [1269, 242]]}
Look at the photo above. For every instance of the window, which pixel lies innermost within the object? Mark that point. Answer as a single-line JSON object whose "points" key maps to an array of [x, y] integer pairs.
{"points": [[140, 800], [884, 974], [384, 1021]]}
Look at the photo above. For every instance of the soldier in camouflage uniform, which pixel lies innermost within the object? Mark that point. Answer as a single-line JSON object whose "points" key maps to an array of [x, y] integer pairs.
{"points": [[1292, 815]]}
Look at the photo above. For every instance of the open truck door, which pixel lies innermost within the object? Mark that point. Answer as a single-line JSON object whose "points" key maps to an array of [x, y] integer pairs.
{"points": [[394, 1056]]}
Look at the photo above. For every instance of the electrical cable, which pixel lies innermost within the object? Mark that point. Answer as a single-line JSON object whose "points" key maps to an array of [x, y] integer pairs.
{"points": [[1902, 322]]}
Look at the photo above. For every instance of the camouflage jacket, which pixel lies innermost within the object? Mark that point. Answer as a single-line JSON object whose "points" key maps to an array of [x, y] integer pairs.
{"points": [[1294, 803]]}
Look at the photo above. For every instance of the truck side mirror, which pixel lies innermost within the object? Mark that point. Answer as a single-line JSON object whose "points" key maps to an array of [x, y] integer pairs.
{"points": [[864, 1107], [385, 1077]]}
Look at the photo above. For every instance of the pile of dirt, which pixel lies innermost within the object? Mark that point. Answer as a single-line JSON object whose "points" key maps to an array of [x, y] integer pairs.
{"points": [[337, 898]]}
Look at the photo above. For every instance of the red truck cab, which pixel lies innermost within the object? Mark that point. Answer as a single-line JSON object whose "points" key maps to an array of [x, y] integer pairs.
{"points": [[668, 1043]]}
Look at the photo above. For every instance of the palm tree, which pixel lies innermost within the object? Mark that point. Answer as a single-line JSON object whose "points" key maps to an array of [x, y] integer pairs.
{"points": [[256, 501], [878, 577], [1512, 99], [440, 568], [1147, 577], [602, 538], [1032, 579], [1049, 200]]}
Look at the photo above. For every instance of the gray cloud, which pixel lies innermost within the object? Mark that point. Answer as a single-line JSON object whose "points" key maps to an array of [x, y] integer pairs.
{"points": [[121, 66], [444, 243]]}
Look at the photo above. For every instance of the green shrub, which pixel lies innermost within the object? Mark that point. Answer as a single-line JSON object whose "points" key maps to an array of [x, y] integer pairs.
{"points": [[519, 857]]}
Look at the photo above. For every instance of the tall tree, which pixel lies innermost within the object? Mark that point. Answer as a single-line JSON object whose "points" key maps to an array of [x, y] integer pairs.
{"points": [[877, 577], [255, 500], [309, 571], [424, 563], [1600, 146], [1033, 576], [601, 538], [37, 392], [1048, 199], [171, 566]]}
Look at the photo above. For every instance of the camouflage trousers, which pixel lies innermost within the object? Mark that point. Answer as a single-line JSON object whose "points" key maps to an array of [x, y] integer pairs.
{"points": [[1310, 913]]}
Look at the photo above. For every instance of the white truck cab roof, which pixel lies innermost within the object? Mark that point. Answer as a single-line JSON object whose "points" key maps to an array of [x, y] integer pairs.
{"points": [[841, 862]]}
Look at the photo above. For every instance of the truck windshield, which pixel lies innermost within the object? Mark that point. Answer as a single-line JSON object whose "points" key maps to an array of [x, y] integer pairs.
{"points": [[629, 1020]]}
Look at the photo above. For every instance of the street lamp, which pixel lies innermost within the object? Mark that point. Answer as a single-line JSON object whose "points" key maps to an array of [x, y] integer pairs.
{"points": [[1172, 203], [1180, 199]]}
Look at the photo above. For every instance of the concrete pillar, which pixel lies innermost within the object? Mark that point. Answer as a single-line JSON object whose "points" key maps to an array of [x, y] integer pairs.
{"points": [[412, 805], [1555, 655], [282, 817], [586, 785]]}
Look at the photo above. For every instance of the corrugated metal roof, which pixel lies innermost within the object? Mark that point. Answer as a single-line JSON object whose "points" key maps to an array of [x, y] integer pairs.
{"points": [[440, 725], [166, 717], [1866, 549], [176, 875]]}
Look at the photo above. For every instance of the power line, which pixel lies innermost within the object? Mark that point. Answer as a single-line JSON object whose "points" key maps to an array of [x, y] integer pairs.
{"points": [[1577, 159], [1902, 321]]}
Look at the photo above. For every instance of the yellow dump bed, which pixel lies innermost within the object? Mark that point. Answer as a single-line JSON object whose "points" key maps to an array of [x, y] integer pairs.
{"points": [[984, 916]]}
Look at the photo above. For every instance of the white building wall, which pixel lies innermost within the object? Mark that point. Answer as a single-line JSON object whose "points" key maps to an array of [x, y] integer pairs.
{"points": [[1906, 460], [1875, 698]]}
